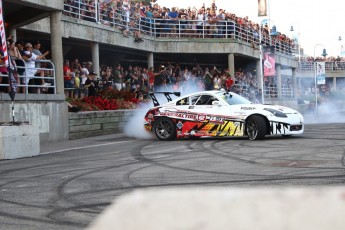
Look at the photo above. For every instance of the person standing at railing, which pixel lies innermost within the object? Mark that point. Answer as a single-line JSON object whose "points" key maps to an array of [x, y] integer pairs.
{"points": [[221, 23], [3, 73], [173, 21], [182, 27], [31, 70], [200, 23], [91, 9], [20, 63], [36, 50]]}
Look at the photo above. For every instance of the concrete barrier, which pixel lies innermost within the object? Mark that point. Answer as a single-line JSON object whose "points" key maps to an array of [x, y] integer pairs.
{"points": [[19, 141], [223, 208]]}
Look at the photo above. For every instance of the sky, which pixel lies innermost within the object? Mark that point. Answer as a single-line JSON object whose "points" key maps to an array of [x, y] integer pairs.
{"points": [[317, 23]]}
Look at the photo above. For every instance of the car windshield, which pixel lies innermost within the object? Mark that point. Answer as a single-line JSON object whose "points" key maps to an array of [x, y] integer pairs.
{"points": [[234, 99]]}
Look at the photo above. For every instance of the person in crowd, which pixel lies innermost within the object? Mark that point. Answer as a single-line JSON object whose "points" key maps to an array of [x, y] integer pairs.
{"points": [[229, 82], [145, 81], [89, 66], [119, 78], [31, 71], [208, 80], [91, 84], [3, 72], [67, 75], [152, 75], [17, 58], [107, 79]]}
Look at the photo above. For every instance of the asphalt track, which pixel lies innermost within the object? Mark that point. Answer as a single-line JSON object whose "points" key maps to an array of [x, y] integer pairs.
{"points": [[72, 182]]}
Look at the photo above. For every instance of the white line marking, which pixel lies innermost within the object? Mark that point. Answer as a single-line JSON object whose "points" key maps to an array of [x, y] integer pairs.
{"points": [[83, 147], [293, 163]]}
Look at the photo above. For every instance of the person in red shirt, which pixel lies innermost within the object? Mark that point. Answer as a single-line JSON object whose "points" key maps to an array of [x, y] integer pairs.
{"points": [[229, 82], [151, 74], [67, 75]]}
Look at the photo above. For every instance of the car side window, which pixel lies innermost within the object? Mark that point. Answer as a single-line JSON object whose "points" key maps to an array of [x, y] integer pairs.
{"points": [[183, 101], [194, 99], [206, 100]]}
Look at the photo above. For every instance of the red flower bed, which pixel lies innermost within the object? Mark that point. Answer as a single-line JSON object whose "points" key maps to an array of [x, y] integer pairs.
{"points": [[106, 100]]}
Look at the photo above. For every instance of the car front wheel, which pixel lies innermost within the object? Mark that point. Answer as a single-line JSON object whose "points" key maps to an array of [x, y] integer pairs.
{"points": [[165, 129], [256, 127]]}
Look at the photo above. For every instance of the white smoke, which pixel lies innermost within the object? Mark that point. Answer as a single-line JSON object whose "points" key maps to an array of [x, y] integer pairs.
{"points": [[327, 112]]}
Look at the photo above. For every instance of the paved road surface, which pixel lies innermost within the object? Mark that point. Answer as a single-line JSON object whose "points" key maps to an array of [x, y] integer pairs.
{"points": [[71, 182]]}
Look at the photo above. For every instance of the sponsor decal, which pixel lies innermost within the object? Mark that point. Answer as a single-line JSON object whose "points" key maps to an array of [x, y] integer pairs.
{"points": [[180, 115], [218, 120], [201, 117], [247, 108], [179, 125]]}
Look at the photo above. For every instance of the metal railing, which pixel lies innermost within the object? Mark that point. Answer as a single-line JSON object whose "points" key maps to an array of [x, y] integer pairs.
{"points": [[182, 29], [24, 87], [329, 65]]}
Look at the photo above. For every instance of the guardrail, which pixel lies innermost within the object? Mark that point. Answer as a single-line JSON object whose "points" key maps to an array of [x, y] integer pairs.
{"points": [[36, 85]]}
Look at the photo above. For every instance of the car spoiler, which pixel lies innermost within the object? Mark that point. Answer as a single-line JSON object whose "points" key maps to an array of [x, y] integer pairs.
{"points": [[166, 94]]}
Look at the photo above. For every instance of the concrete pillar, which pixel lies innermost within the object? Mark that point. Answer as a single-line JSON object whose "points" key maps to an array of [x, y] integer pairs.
{"points": [[56, 46], [259, 75], [150, 62], [334, 83], [231, 64], [294, 82], [279, 80], [95, 58]]}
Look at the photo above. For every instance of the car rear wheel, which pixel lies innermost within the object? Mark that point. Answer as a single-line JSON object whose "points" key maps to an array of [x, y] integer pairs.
{"points": [[256, 127], [165, 129]]}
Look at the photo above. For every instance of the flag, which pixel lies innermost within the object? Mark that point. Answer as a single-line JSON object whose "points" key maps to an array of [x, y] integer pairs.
{"points": [[269, 61], [262, 8], [10, 65]]}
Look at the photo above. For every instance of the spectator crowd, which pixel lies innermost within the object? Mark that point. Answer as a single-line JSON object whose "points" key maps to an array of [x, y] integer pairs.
{"points": [[160, 21], [136, 19]]}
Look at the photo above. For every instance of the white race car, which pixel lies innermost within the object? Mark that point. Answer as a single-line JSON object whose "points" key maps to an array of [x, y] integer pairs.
{"points": [[219, 114]]}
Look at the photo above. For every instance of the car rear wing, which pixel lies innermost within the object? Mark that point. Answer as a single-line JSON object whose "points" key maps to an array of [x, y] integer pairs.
{"points": [[166, 94]]}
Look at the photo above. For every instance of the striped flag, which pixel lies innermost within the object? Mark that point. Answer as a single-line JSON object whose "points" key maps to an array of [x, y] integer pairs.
{"points": [[10, 66], [262, 8]]}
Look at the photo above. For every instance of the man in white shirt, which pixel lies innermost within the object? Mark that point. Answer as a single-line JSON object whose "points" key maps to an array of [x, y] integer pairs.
{"points": [[31, 70]]}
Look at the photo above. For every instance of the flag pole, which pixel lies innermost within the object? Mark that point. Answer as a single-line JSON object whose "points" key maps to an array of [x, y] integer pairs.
{"points": [[13, 112], [7, 58]]}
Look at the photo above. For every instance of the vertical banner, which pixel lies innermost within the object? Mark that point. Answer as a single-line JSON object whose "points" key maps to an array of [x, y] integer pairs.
{"points": [[320, 73], [262, 8], [8, 61], [269, 61]]}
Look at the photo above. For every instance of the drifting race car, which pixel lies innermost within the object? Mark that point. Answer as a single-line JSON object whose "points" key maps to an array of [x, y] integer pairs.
{"points": [[219, 114]]}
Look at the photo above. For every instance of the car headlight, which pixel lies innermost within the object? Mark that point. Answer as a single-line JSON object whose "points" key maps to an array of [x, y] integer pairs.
{"points": [[275, 112]]}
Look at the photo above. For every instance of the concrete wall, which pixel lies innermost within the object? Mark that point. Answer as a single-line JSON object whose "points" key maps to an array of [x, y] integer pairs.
{"points": [[43, 4], [95, 123], [48, 112]]}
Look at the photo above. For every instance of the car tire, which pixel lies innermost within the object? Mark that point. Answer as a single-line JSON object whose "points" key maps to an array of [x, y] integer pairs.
{"points": [[165, 129], [256, 127]]}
